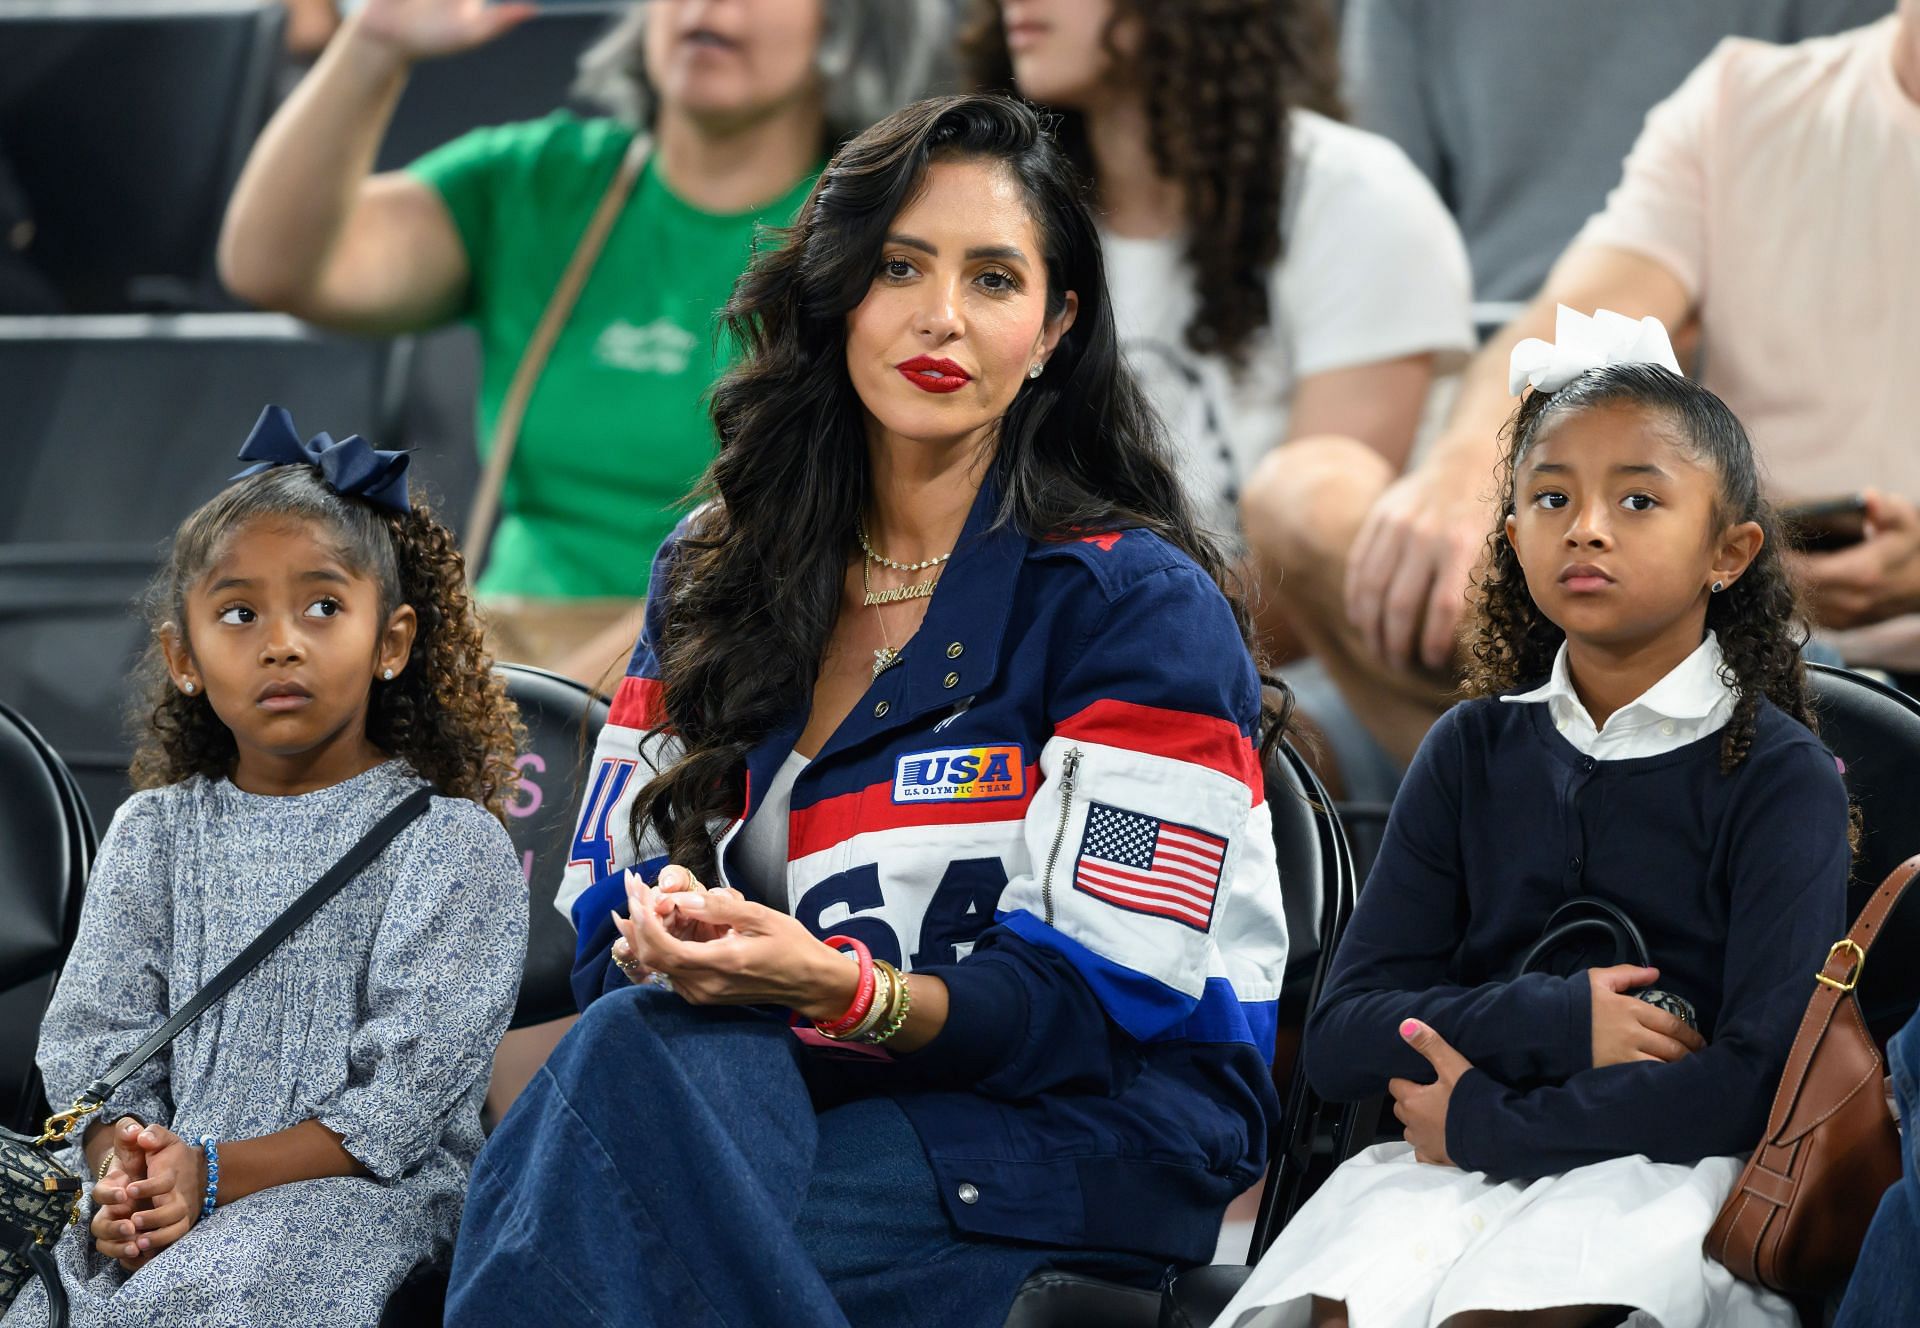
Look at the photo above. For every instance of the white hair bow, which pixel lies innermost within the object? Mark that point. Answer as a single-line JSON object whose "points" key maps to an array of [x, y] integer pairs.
{"points": [[1581, 343]]}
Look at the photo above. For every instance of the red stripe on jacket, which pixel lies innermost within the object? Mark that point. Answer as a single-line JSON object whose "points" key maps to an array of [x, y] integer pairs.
{"points": [[1178, 735], [833, 820], [638, 703]]}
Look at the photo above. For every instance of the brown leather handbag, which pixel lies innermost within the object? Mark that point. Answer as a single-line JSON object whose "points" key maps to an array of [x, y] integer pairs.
{"points": [[1795, 1221]]}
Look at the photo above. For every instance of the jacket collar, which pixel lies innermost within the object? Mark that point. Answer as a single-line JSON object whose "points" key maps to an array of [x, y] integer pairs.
{"points": [[959, 639]]}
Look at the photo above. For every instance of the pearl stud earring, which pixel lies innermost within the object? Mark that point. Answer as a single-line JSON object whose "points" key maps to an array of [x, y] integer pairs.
{"points": [[187, 687], [388, 675], [1034, 372]]}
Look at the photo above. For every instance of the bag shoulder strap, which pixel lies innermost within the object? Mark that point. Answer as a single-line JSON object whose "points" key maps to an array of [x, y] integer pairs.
{"points": [[533, 360], [1834, 983], [282, 927]]}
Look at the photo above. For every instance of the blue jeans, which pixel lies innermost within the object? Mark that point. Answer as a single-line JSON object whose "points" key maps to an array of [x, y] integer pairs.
{"points": [[1886, 1283], [669, 1169]]}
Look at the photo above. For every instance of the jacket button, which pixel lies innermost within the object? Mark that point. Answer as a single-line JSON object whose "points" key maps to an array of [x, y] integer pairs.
{"points": [[880, 711], [951, 680], [953, 651], [1573, 864], [969, 1193]]}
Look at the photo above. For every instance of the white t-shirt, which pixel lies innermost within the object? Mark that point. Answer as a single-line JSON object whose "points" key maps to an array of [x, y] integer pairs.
{"points": [[1371, 268], [762, 850]]}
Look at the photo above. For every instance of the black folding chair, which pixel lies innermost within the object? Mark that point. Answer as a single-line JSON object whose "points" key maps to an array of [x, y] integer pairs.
{"points": [[562, 719], [116, 428], [1311, 846], [127, 122], [46, 849], [1874, 730]]}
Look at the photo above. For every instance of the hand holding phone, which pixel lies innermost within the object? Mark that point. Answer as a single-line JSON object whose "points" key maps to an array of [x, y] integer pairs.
{"points": [[1826, 525]]}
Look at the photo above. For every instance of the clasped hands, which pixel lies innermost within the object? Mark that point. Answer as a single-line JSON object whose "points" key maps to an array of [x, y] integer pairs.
{"points": [[722, 949], [150, 1197], [1625, 1029]]}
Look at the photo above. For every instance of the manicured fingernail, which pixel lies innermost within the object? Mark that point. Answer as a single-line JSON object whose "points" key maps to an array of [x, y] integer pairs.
{"points": [[1409, 1028], [690, 901]]}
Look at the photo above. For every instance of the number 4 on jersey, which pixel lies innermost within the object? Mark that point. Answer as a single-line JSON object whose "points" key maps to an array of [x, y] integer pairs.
{"points": [[593, 837]]}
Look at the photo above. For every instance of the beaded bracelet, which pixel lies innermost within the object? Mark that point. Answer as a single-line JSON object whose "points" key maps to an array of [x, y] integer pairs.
{"points": [[896, 1011], [863, 991], [211, 1147]]}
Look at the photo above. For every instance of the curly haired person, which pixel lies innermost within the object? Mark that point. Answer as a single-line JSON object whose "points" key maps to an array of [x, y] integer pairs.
{"points": [[296, 1151]]}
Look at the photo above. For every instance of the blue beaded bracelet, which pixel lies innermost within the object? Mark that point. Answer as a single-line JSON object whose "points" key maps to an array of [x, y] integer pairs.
{"points": [[211, 1147]]}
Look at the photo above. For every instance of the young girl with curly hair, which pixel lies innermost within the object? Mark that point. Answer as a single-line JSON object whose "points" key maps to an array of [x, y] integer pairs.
{"points": [[303, 1145], [1572, 1127]]}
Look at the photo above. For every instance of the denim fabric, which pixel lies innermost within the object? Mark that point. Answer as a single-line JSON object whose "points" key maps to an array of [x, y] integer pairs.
{"points": [[1886, 1282], [669, 1169]]}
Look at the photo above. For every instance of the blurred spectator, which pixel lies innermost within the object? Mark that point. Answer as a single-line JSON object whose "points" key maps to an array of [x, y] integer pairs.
{"points": [[1520, 117], [1770, 200], [310, 25], [1275, 273], [741, 99]]}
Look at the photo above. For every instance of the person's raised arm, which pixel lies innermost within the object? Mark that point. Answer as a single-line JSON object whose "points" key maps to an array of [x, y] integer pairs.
{"points": [[310, 231], [1408, 575]]}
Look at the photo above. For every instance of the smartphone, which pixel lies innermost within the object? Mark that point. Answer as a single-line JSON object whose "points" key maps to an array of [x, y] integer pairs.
{"points": [[1831, 523]]}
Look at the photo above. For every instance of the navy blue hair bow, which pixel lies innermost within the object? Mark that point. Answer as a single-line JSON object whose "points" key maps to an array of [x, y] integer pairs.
{"points": [[352, 467]]}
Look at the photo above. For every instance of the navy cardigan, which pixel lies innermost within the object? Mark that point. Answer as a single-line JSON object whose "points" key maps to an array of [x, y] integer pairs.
{"points": [[1738, 882]]}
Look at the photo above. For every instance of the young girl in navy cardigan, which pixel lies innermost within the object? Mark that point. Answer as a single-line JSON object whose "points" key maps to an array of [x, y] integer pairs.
{"points": [[1642, 734]]}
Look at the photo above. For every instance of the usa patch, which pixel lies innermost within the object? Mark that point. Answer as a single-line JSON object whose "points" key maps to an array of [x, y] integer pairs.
{"points": [[961, 774], [1146, 865]]}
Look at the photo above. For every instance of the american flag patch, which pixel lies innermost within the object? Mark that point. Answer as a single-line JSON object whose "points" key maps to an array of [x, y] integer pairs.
{"points": [[1145, 865]]}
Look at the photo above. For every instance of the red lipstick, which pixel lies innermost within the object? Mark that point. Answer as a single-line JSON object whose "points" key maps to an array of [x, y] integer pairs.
{"points": [[931, 375]]}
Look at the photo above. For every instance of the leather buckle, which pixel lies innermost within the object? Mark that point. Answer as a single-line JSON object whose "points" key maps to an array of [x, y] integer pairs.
{"points": [[1858, 962]]}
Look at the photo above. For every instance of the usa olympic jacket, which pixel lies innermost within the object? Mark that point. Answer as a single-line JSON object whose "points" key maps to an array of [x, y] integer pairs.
{"points": [[1053, 802]]}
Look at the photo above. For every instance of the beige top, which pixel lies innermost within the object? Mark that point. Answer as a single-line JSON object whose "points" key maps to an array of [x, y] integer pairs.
{"points": [[1781, 185]]}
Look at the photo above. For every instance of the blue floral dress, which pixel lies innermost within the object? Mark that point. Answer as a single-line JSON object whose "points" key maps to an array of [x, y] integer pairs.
{"points": [[378, 1018]]}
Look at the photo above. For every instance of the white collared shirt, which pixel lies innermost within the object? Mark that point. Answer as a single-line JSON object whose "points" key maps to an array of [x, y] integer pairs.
{"points": [[1685, 706]]}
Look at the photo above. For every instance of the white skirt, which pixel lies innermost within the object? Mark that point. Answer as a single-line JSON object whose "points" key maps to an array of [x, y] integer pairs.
{"points": [[1407, 1245]]}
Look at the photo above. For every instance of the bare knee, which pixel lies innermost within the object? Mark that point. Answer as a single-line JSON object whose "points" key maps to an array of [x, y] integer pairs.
{"points": [[1302, 507]]}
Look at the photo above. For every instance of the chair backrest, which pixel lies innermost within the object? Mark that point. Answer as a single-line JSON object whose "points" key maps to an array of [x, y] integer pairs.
{"points": [[521, 76], [46, 848], [1875, 732], [70, 633], [437, 382], [127, 122], [117, 427], [562, 719], [1303, 814]]}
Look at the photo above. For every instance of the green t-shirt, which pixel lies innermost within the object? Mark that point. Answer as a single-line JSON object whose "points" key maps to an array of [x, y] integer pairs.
{"points": [[617, 431]]}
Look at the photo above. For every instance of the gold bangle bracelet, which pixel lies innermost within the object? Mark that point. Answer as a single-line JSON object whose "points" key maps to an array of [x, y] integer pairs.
{"points": [[876, 1012], [896, 1009]]}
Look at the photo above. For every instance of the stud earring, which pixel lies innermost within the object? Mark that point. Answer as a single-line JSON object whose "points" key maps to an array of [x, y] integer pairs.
{"points": [[388, 675], [187, 687], [1719, 586], [1034, 372]]}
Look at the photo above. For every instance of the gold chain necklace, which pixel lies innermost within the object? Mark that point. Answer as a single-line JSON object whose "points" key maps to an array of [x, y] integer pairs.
{"points": [[875, 555], [887, 656]]}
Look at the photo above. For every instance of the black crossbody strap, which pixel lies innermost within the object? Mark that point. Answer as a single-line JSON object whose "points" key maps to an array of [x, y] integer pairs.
{"points": [[282, 927]]}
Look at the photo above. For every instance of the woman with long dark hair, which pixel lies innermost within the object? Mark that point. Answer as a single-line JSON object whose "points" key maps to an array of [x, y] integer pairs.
{"points": [[929, 922]]}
